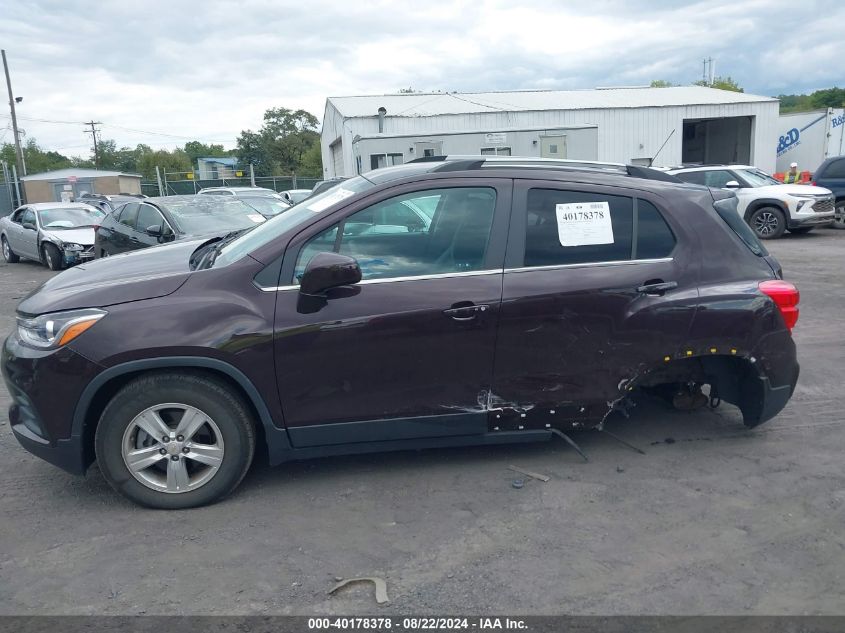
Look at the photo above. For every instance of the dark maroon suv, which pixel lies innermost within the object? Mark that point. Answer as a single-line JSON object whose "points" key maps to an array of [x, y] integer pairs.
{"points": [[439, 303]]}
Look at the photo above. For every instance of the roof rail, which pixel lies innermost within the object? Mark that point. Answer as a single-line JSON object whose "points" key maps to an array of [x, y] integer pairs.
{"points": [[465, 163]]}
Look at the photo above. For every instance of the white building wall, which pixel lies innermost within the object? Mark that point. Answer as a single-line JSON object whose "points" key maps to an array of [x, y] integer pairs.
{"points": [[623, 133]]}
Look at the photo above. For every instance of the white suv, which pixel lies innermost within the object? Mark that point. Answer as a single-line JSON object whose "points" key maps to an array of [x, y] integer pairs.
{"points": [[769, 206]]}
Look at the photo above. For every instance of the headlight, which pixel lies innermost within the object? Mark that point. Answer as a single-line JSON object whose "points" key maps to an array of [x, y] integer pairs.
{"points": [[70, 246], [59, 328]]}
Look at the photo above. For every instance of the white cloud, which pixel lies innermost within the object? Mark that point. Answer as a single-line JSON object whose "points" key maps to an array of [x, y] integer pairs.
{"points": [[207, 71]]}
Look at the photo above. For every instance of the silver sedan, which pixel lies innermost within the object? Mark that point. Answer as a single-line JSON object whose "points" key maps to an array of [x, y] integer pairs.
{"points": [[57, 234]]}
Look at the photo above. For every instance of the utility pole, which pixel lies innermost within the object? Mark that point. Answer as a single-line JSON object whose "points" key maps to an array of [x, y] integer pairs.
{"points": [[93, 132], [18, 150]]}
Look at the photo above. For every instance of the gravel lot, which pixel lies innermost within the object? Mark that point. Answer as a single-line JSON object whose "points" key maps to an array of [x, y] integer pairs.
{"points": [[713, 519]]}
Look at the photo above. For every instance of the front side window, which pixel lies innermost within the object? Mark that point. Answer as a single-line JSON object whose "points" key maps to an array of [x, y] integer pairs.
{"points": [[28, 217], [398, 238], [575, 227]]}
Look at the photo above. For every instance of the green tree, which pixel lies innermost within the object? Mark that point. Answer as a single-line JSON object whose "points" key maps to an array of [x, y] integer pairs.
{"points": [[196, 149], [661, 83], [36, 159], [171, 162], [828, 98], [281, 145], [253, 148], [312, 162], [721, 83]]}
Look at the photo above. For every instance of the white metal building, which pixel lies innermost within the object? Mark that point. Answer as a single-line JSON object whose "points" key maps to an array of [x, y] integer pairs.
{"points": [[670, 126]]}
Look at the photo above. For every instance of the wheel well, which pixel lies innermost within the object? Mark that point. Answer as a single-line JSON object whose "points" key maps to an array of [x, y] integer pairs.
{"points": [[758, 204], [733, 379], [108, 390]]}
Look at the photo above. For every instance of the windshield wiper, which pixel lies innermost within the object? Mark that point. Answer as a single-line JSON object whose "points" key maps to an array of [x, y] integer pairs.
{"points": [[212, 248]]}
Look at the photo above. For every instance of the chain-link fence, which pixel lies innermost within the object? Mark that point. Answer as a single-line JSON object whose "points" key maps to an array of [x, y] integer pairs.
{"points": [[183, 183], [8, 190]]}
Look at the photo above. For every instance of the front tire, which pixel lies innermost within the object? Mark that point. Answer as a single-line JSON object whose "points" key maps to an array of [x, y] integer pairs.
{"points": [[839, 215], [8, 254], [768, 223], [175, 440], [52, 257], [801, 230]]}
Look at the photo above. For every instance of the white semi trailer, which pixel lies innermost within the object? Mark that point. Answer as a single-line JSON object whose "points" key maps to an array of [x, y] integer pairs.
{"points": [[807, 138]]}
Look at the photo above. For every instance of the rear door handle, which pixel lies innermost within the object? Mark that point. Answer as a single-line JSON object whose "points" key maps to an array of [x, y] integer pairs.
{"points": [[658, 288], [465, 312]]}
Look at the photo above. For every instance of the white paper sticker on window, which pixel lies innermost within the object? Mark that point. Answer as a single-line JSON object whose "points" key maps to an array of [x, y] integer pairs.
{"points": [[584, 223], [336, 196], [258, 219]]}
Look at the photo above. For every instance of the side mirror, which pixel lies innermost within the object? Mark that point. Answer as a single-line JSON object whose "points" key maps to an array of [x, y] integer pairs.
{"points": [[732, 184], [329, 270], [154, 230], [29, 225]]}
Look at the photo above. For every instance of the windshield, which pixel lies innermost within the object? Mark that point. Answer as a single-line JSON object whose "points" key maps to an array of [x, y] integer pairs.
{"points": [[298, 196], [757, 178], [266, 206], [213, 214], [70, 217], [296, 215]]}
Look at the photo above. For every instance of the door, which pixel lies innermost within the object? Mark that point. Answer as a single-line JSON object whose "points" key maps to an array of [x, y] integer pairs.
{"points": [[14, 232], [553, 146], [577, 323], [28, 244], [408, 351], [149, 216], [123, 230]]}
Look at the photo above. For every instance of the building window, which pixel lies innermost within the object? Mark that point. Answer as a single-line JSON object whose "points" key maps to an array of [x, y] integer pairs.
{"points": [[377, 161], [495, 151], [428, 151]]}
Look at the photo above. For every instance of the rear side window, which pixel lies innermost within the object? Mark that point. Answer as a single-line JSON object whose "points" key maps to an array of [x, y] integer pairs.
{"points": [[654, 237], [555, 235], [727, 210], [575, 227], [694, 177], [129, 214]]}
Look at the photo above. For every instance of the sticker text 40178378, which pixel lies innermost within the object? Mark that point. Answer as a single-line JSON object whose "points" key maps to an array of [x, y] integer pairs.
{"points": [[584, 223]]}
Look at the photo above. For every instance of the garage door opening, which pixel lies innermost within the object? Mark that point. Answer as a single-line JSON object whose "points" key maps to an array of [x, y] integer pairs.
{"points": [[711, 141]]}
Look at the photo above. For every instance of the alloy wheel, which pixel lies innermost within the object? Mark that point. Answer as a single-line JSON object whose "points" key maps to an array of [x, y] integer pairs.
{"points": [[6, 253], [172, 448], [765, 223]]}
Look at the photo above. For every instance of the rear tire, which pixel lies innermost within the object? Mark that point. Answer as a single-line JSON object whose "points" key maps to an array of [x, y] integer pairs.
{"points": [[8, 254], [52, 257], [768, 223], [839, 216], [206, 464]]}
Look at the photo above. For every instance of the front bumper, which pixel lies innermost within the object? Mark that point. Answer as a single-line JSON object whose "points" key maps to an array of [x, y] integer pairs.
{"points": [[45, 386], [810, 219], [77, 257]]}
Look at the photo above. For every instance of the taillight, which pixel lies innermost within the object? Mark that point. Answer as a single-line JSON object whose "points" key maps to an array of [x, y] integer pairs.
{"points": [[786, 298]]}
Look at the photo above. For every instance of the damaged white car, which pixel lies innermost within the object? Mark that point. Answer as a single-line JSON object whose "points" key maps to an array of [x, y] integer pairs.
{"points": [[58, 234]]}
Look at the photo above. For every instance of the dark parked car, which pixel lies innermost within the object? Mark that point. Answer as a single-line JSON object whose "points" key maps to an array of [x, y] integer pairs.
{"points": [[333, 329], [108, 202], [831, 175], [324, 185], [154, 221]]}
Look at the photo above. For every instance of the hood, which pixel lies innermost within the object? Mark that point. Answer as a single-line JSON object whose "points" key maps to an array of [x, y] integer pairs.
{"points": [[795, 190], [145, 274], [83, 235]]}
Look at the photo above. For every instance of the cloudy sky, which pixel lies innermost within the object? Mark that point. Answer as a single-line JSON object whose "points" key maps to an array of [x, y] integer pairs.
{"points": [[165, 72]]}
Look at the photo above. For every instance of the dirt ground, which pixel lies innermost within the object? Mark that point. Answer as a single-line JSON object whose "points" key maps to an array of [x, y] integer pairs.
{"points": [[713, 519]]}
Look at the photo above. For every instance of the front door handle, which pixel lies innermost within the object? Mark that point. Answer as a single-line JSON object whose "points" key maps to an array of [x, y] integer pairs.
{"points": [[465, 312], [657, 288]]}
